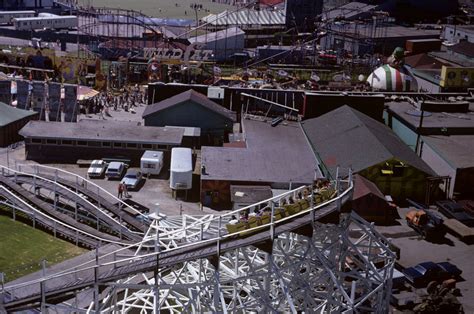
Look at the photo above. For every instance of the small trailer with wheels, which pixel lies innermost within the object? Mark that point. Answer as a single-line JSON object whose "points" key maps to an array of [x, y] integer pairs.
{"points": [[151, 162]]}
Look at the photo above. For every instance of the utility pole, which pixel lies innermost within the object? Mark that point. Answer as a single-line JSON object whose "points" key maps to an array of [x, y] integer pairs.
{"points": [[196, 7]]}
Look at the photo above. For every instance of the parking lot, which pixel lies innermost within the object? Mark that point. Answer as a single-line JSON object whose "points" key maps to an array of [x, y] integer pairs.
{"points": [[414, 250], [152, 191]]}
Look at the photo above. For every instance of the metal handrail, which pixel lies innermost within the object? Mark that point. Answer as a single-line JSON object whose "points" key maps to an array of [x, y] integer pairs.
{"points": [[66, 188], [78, 177], [215, 239], [56, 220]]}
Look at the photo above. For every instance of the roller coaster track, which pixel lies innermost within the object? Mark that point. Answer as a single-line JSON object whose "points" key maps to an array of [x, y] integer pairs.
{"points": [[86, 192], [172, 247], [62, 224]]}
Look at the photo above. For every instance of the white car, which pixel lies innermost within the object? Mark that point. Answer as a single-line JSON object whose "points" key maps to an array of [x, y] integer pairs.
{"points": [[97, 169]]}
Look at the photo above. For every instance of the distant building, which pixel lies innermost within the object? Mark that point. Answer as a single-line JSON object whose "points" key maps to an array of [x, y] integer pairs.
{"points": [[346, 137], [192, 109], [316, 104], [11, 122], [350, 11], [458, 33], [259, 25], [440, 118], [225, 43], [93, 139], [25, 4], [451, 156], [366, 38], [301, 14], [279, 157]]}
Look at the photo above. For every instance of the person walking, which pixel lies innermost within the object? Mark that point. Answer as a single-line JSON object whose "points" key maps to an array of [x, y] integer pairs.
{"points": [[125, 190], [120, 190]]}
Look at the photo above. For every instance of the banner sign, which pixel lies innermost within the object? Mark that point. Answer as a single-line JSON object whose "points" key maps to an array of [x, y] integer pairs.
{"points": [[70, 103], [54, 102]]}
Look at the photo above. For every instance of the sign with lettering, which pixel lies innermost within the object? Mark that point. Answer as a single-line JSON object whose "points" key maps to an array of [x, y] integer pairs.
{"points": [[192, 53]]}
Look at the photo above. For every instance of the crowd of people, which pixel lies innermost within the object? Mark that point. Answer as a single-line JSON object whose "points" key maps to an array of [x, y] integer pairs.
{"points": [[127, 100]]}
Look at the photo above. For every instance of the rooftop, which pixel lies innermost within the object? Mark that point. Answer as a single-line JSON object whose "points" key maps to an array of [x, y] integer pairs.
{"points": [[223, 34], [247, 17], [249, 194], [348, 138], [9, 114], [189, 95], [464, 48], [349, 10], [96, 130], [389, 31], [363, 187], [434, 123], [457, 59], [273, 155], [457, 150]]}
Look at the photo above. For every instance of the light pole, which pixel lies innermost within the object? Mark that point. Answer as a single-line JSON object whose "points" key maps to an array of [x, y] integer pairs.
{"points": [[196, 7]]}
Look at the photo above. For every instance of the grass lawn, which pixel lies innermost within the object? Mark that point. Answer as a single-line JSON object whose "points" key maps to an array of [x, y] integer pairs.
{"points": [[22, 249], [162, 8]]}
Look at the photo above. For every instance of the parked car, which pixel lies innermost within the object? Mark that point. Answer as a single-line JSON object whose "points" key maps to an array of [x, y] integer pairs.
{"points": [[451, 269], [454, 210], [427, 223], [115, 170], [97, 169], [132, 179], [423, 273]]}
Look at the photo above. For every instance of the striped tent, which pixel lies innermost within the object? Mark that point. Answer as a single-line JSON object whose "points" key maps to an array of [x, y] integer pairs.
{"points": [[390, 79], [247, 17]]}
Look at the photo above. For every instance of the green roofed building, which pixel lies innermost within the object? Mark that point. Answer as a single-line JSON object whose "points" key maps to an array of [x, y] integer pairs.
{"points": [[11, 121]]}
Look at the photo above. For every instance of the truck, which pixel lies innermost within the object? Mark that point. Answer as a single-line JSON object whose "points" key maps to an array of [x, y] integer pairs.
{"points": [[427, 223], [181, 170], [151, 162]]}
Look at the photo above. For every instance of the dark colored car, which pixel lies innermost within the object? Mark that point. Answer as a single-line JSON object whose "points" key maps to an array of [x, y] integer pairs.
{"points": [[451, 269], [423, 273], [454, 210]]}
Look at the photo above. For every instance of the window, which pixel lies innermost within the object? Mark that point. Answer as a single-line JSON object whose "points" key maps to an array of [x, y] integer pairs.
{"points": [[36, 140], [94, 144], [160, 146], [106, 144], [67, 142], [147, 165], [81, 143], [131, 145], [49, 141], [147, 146], [117, 145]]}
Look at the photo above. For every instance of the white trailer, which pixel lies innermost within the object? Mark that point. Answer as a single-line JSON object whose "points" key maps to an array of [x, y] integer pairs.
{"points": [[6, 17], [181, 177], [151, 162], [46, 22]]}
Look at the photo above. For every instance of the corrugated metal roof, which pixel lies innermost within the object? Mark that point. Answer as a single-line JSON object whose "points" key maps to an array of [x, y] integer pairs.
{"points": [[247, 17]]}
